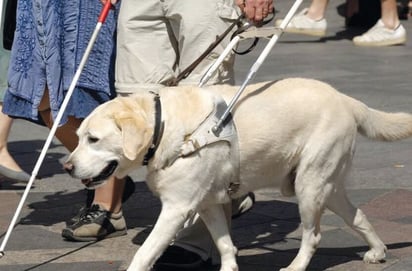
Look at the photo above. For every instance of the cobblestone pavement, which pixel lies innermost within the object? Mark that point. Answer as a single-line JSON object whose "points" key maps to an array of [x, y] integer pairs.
{"points": [[268, 237]]}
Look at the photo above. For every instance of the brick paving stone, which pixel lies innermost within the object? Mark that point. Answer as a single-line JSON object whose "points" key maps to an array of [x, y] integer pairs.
{"points": [[269, 235]]}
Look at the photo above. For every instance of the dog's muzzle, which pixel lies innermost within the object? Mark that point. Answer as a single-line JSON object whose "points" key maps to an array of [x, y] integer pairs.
{"points": [[99, 179]]}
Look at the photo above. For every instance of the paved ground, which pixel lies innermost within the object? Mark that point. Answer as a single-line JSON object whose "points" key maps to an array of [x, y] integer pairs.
{"points": [[268, 237]]}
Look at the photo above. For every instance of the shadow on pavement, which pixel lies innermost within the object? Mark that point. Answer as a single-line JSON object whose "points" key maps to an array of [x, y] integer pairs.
{"points": [[47, 209]]}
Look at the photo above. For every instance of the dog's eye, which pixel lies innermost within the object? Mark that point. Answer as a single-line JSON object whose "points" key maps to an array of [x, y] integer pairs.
{"points": [[92, 139]]}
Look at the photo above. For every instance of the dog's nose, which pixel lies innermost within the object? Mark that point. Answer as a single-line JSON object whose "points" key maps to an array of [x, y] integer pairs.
{"points": [[68, 167]]}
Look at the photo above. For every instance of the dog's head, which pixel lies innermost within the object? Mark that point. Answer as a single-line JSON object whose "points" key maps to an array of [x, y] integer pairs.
{"points": [[113, 140]]}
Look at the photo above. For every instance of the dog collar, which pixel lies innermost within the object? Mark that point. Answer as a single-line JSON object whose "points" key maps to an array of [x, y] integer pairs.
{"points": [[158, 130]]}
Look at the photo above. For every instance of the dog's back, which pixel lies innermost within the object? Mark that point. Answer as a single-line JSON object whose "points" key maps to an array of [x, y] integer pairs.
{"points": [[282, 124]]}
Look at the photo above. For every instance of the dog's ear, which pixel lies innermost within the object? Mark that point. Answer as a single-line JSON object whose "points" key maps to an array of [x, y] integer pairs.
{"points": [[135, 135]]}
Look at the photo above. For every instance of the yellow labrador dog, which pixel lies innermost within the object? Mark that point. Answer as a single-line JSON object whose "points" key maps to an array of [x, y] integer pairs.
{"points": [[295, 134]]}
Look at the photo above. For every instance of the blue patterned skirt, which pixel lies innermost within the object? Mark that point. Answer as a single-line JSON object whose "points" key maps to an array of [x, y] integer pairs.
{"points": [[50, 39]]}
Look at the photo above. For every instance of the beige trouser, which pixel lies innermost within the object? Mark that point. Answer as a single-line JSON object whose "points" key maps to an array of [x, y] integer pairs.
{"points": [[158, 39], [195, 237]]}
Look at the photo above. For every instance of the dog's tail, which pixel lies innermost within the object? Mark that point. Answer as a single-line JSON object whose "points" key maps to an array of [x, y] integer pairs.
{"points": [[380, 125]]}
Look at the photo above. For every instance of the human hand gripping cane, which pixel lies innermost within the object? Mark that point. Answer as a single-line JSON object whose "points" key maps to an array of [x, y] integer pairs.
{"points": [[255, 10], [102, 18]]}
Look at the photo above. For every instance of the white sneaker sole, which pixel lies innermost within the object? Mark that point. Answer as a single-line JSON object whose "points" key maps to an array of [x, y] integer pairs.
{"points": [[309, 32], [399, 41]]}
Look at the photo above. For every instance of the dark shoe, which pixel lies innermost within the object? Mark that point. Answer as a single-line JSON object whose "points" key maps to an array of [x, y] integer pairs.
{"points": [[19, 176], [75, 219], [96, 224], [129, 188], [242, 205], [176, 258]]}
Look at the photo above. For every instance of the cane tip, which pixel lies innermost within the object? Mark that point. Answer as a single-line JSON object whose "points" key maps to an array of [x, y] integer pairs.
{"points": [[1, 254]]}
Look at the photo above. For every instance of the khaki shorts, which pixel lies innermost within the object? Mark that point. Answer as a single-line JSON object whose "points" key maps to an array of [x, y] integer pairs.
{"points": [[158, 39]]}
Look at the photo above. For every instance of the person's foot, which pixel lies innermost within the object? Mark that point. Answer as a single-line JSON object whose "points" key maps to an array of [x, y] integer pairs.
{"points": [[14, 175], [302, 24], [129, 188], [96, 224], [176, 258], [10, 169], [380, 35], [18, 176]]}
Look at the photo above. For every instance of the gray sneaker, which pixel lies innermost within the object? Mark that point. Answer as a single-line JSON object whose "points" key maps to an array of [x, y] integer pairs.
{"points": [[96, 224], [18, 176]]}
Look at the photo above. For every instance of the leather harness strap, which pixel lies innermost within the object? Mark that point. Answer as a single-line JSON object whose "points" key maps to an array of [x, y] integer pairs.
{"points": [[186, 72]]}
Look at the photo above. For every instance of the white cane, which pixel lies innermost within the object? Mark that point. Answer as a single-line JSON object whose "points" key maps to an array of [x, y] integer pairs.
{"points": [[254, 68], [211, 70], [102, 18], [257, 64]]}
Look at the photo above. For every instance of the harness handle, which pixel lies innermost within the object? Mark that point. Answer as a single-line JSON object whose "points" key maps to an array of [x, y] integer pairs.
{"points": [[255, 40], [186, 72]]}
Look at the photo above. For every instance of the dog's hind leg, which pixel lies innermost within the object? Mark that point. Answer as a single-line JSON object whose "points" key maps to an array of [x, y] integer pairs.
{"points": [[311, 193], [356, 219], [216, 221]]}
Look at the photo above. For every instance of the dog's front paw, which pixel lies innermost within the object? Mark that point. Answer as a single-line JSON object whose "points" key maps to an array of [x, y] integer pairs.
{"points": [[290, 269], [375, 255], [230, 268], [229, 264]]}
